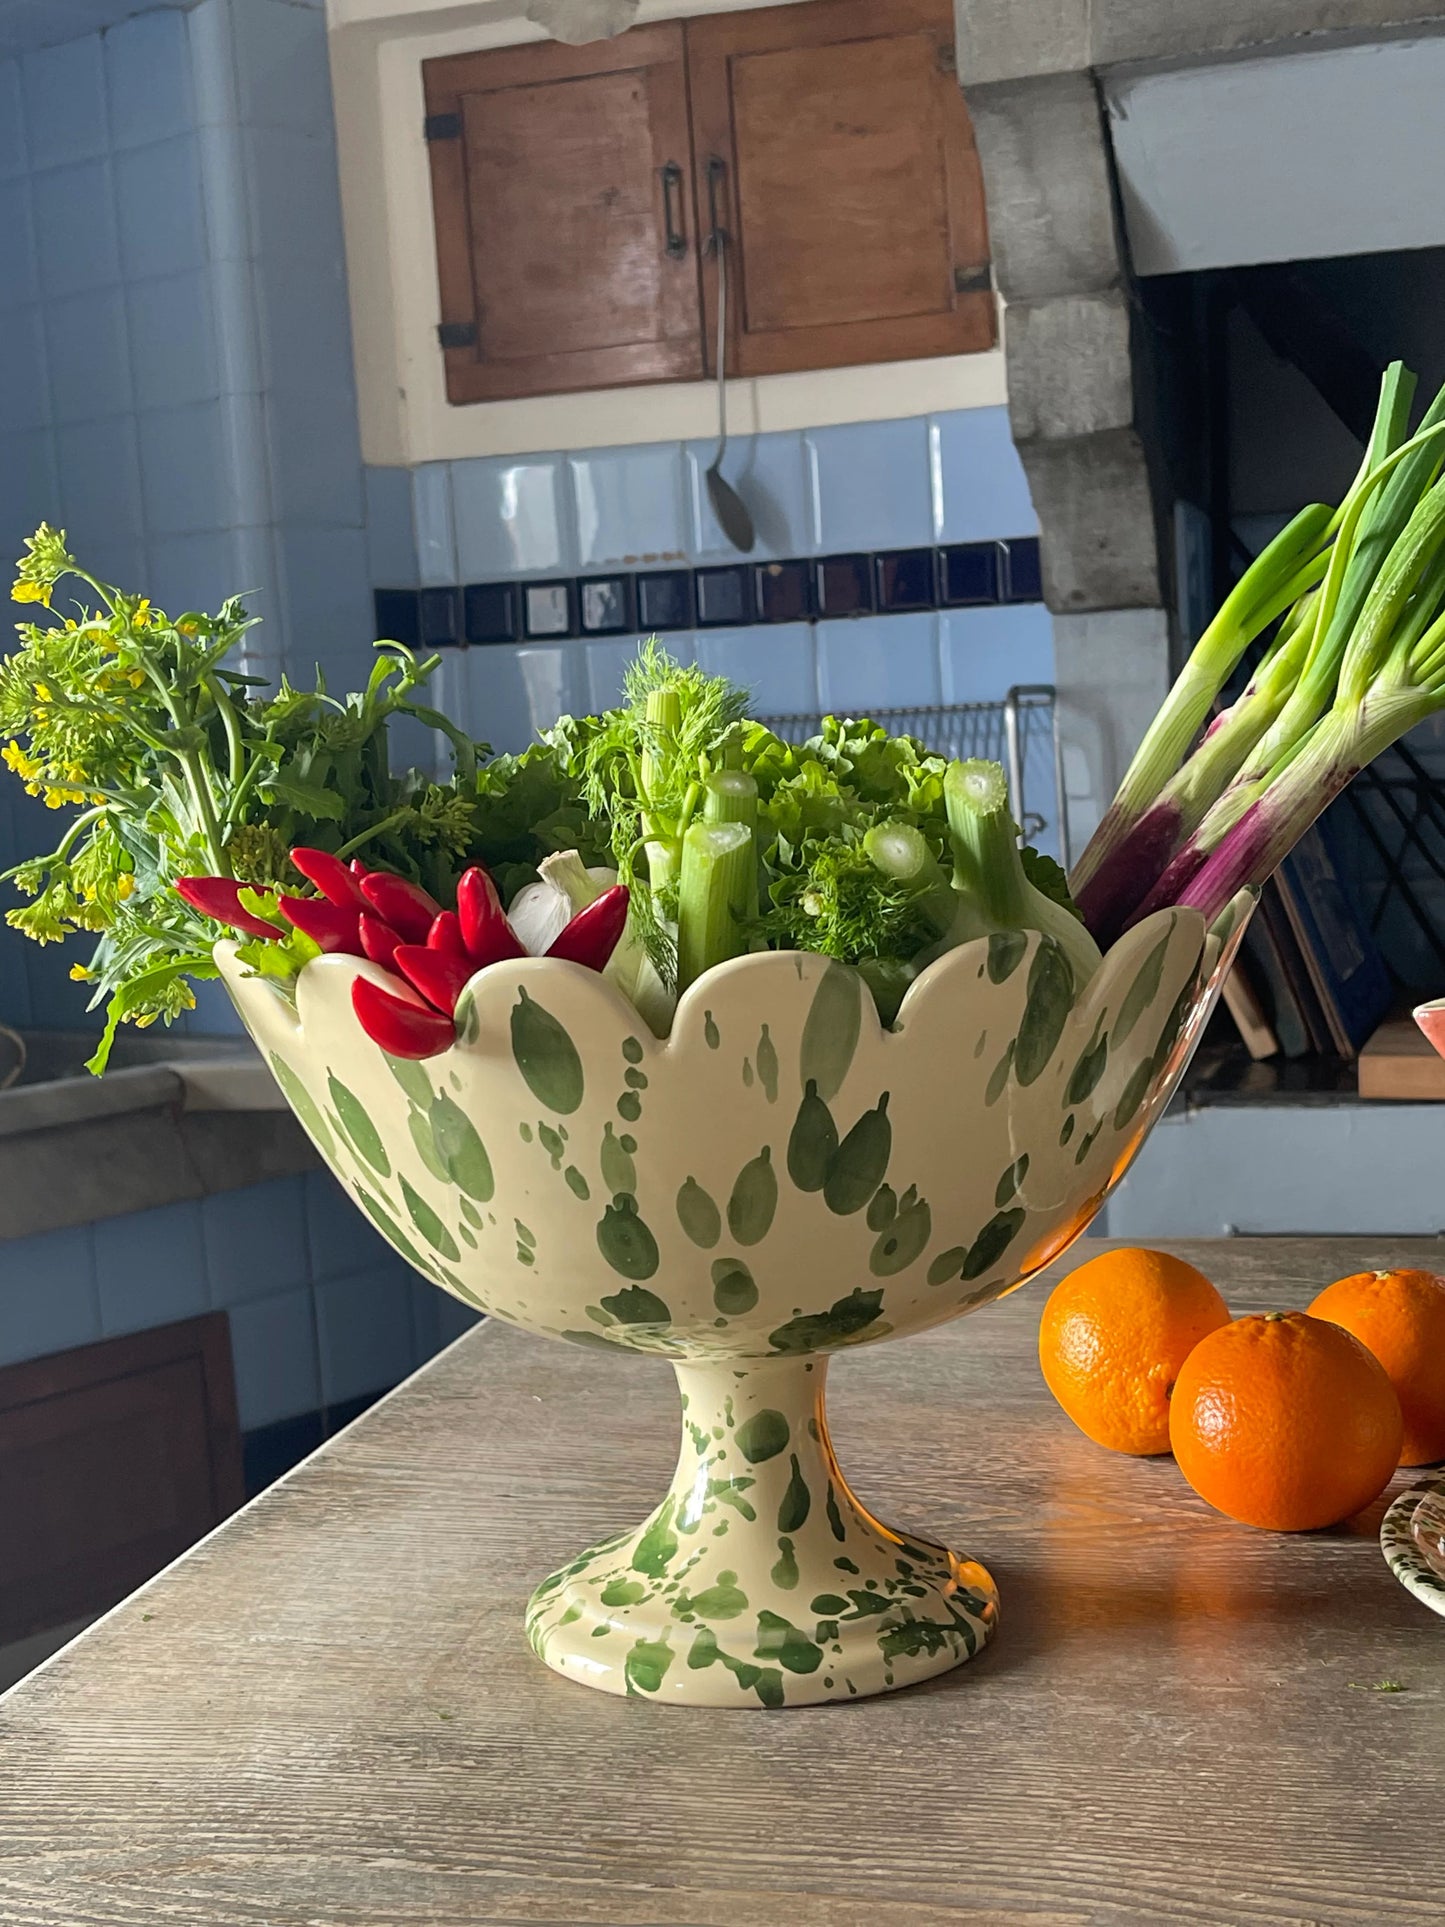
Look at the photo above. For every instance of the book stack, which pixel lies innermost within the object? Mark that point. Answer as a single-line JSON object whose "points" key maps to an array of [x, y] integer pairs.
{"points": [[1310, 980]]}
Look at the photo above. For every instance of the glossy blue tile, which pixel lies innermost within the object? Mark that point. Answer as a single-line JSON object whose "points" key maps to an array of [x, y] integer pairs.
{"points": [[390, 538], [549, 609], [304, 317], [440, 618], [281, 66], [878, 662], [843, 585], [295, 197], [453, 1318], [979, 482], [431, 498], [20, 284], [606, 605], [24, 388], [76, 229], [969, 574], [221, 149], [724, 596], [187, 484], [665, 601], [192, 571], [1023, 570], [214, 1015], [273, 1345], [340, 1236], [630, 504], [366, 1331], [397, 614], [776, 664], [327, 605], [14, 156], [173, 340], [99, 475], [516, 692], [47, 1294], [606, 665], [232, 282], [148, 78], [869, 485], [906, 579], [256, 1241], [150, 1268], [55, 1002], [770, 473], [984, 652], [783, 591], [158, 195], [211, 51], [316, 458], [87, 344], [65, 108], [511, 516]]}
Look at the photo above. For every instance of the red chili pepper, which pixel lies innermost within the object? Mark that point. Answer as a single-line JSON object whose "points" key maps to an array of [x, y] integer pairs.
{"points": [[331, 877], [399, 1025], [485, 931], [446, 935], [220, 898], [358, 868], [440, 978], [409, 909], [335, 926], [593, 934], [378, 940]]}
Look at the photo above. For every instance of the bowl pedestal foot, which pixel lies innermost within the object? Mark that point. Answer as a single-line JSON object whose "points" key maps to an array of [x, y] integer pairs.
{"points": [[760, 1580]]}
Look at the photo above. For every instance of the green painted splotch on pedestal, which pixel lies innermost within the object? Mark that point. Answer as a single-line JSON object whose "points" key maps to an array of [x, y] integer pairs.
{"points": [[760, 1581]]}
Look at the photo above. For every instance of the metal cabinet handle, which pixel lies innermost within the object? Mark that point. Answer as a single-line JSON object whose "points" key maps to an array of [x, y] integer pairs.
{"points": [[717, 169], [672, 209]]}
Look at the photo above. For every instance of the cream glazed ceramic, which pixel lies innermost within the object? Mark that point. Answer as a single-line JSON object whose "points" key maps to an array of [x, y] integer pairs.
{"points": [[778, 1180]]}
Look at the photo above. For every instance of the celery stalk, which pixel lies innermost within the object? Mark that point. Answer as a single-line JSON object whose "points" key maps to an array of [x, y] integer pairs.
{"points": [[901, 853], [988, 871], [719, 869], [731, 796], [663, 721]]}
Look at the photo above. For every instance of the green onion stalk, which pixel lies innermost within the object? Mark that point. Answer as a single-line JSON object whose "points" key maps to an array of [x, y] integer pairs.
{"points": [[988, 872], [1377, 571]]}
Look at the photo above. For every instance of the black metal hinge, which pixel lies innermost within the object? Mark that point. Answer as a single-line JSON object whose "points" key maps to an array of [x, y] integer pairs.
{"points": [[442, 127], [947, 57], [973, 280], [457, 334]]}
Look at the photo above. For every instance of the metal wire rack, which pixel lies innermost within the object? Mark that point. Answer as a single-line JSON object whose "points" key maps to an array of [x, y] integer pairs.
{"points": [[1004, 732]]}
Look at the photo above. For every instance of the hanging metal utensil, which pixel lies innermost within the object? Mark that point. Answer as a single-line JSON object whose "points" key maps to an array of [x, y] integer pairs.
{"points": [[734, 517]]}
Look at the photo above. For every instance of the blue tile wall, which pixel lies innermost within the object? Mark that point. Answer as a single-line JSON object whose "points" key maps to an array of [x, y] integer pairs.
{"points": [[770, 472], [148, 76], [48, 1298], [871, 486]]}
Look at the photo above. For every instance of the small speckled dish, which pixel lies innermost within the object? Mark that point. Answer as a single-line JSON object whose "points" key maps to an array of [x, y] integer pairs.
{"points": [[1412, 1538]]}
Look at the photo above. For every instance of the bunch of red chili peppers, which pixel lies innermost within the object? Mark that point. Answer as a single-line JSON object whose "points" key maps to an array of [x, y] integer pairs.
{"points": [[432, 952]]}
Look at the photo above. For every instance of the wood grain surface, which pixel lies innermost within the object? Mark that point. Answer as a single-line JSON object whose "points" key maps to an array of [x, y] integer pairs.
{"points": [[326, 1713]]}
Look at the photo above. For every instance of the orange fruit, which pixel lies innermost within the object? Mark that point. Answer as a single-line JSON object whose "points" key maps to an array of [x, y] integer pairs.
{"points": [[1113, 1337], [1285, 1421], [1400, 1317]]}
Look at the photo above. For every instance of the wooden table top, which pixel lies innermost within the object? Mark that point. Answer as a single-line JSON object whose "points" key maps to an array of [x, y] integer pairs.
{"points": [[326, 1714]]}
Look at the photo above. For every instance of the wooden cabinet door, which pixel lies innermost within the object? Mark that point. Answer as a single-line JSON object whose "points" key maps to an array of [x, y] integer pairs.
{"points": [[850, 183], [562, 186]]}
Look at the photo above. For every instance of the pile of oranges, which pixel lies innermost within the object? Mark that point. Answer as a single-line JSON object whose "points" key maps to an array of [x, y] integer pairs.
{"points": [[1289, 1420]]}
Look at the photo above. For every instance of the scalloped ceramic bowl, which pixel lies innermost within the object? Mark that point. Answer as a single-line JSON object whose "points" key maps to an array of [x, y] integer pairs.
{"points": [[1431, 1019], [778, 1180]]}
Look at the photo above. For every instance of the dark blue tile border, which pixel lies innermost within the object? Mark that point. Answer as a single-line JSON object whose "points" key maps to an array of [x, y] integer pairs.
{"points": [[734, 595]]}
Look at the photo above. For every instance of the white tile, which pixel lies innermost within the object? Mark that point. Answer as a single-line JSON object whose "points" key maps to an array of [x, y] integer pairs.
{"points": [[519, 691], [48, 1300], [273, 1344], [150, 1268], [162, 220], [65, 108], [984, 652], [511, 517], [390, 537], [87, 344], [255, 1241], [770, 473], [173, 340], [775, 662], [878, 662], [148, 76], [76, 228], [436, 545], [630, 505], [980, 490], [366, 1331], [870, 486]]}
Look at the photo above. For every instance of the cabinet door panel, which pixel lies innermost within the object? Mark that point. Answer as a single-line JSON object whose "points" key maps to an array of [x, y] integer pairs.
{"points": [[554, 212], [854, 189]]}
